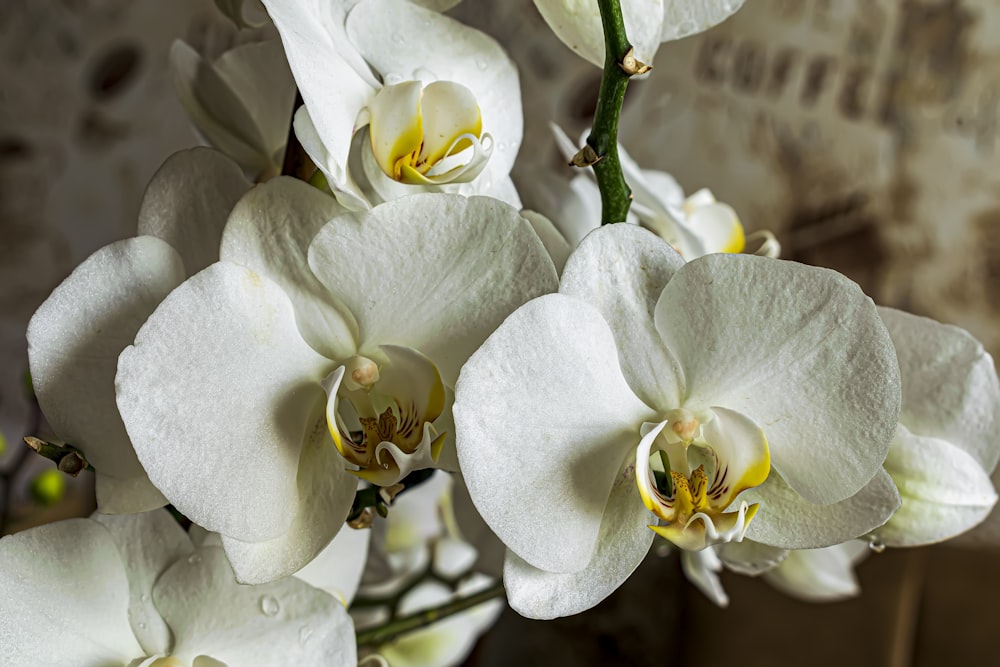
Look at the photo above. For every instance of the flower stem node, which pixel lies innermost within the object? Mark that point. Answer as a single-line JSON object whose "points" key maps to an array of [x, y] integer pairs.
{"points": [[585, 157], [632, 65]]}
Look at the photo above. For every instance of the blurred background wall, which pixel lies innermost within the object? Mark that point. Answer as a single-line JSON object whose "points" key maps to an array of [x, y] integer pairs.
{"points": [[863, 132]]}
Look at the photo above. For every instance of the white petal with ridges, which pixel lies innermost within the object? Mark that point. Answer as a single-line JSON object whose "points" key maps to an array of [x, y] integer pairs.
{"points": [[950, 387], [148, 544], [544, 419], [335, 82], [188, 202], [216, 394], [788, 521], [338, 568], [325, 493], [74, 340], [819, 575], [945, 491], [683, 17], [65, 597], [269, 231], [216, 110], [446, 270], [801, 351], [284, 623], [621, 270], [621, 545], [578, 24]]}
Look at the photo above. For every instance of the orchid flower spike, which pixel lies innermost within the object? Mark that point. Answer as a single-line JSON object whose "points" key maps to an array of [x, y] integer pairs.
{"points": [[732, 396]]}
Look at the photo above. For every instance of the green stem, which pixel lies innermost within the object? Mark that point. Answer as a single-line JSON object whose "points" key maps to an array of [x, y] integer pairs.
{"points": [[393, 629], [616, 197]]}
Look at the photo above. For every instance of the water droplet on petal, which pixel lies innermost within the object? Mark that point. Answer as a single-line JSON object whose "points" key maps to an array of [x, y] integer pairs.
{"points": [[305, 633], [194, 559], [269, 605], [144, 597], [397, 37], [876, 545], [392, 78], [142, 626], [482, 64]]}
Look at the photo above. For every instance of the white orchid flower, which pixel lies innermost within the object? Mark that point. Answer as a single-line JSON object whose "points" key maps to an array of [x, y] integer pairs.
{"points": [[947, 442], [75, 337], [728, 389], [647, 23], [441, 100], [134, 590], [948, 439], [241, 103], [419, 536], [310, 337], [695, 225]]}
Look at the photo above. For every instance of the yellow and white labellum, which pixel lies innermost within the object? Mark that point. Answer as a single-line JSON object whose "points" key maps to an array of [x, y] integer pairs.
{"points": [[715, 224], [387, 433], [428, 135], [731, 455], [699, 226]]}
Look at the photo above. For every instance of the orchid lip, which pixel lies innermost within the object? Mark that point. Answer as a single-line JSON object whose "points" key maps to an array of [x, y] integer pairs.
{"points": [[428, 135], [696, 507], [380, 413]]}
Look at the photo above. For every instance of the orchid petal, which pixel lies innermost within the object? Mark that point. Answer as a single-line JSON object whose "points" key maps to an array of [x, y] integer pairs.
{"points": [[338, 568], [325, 493], [342, 184], [444, 300], [269, 231], [334, 79], [945, 491], [188, 201], [622, 543], [819, 575], [750, 558], [548, 472], [220, 386], [283, 623], [621, 270], [682, 18], [216, 110], [147, 543], [702, 569], [554, 242], [801, 351], [788, 521], [950, 387], [66, 575], [393, 35], [577, 23], [74, 340]]}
